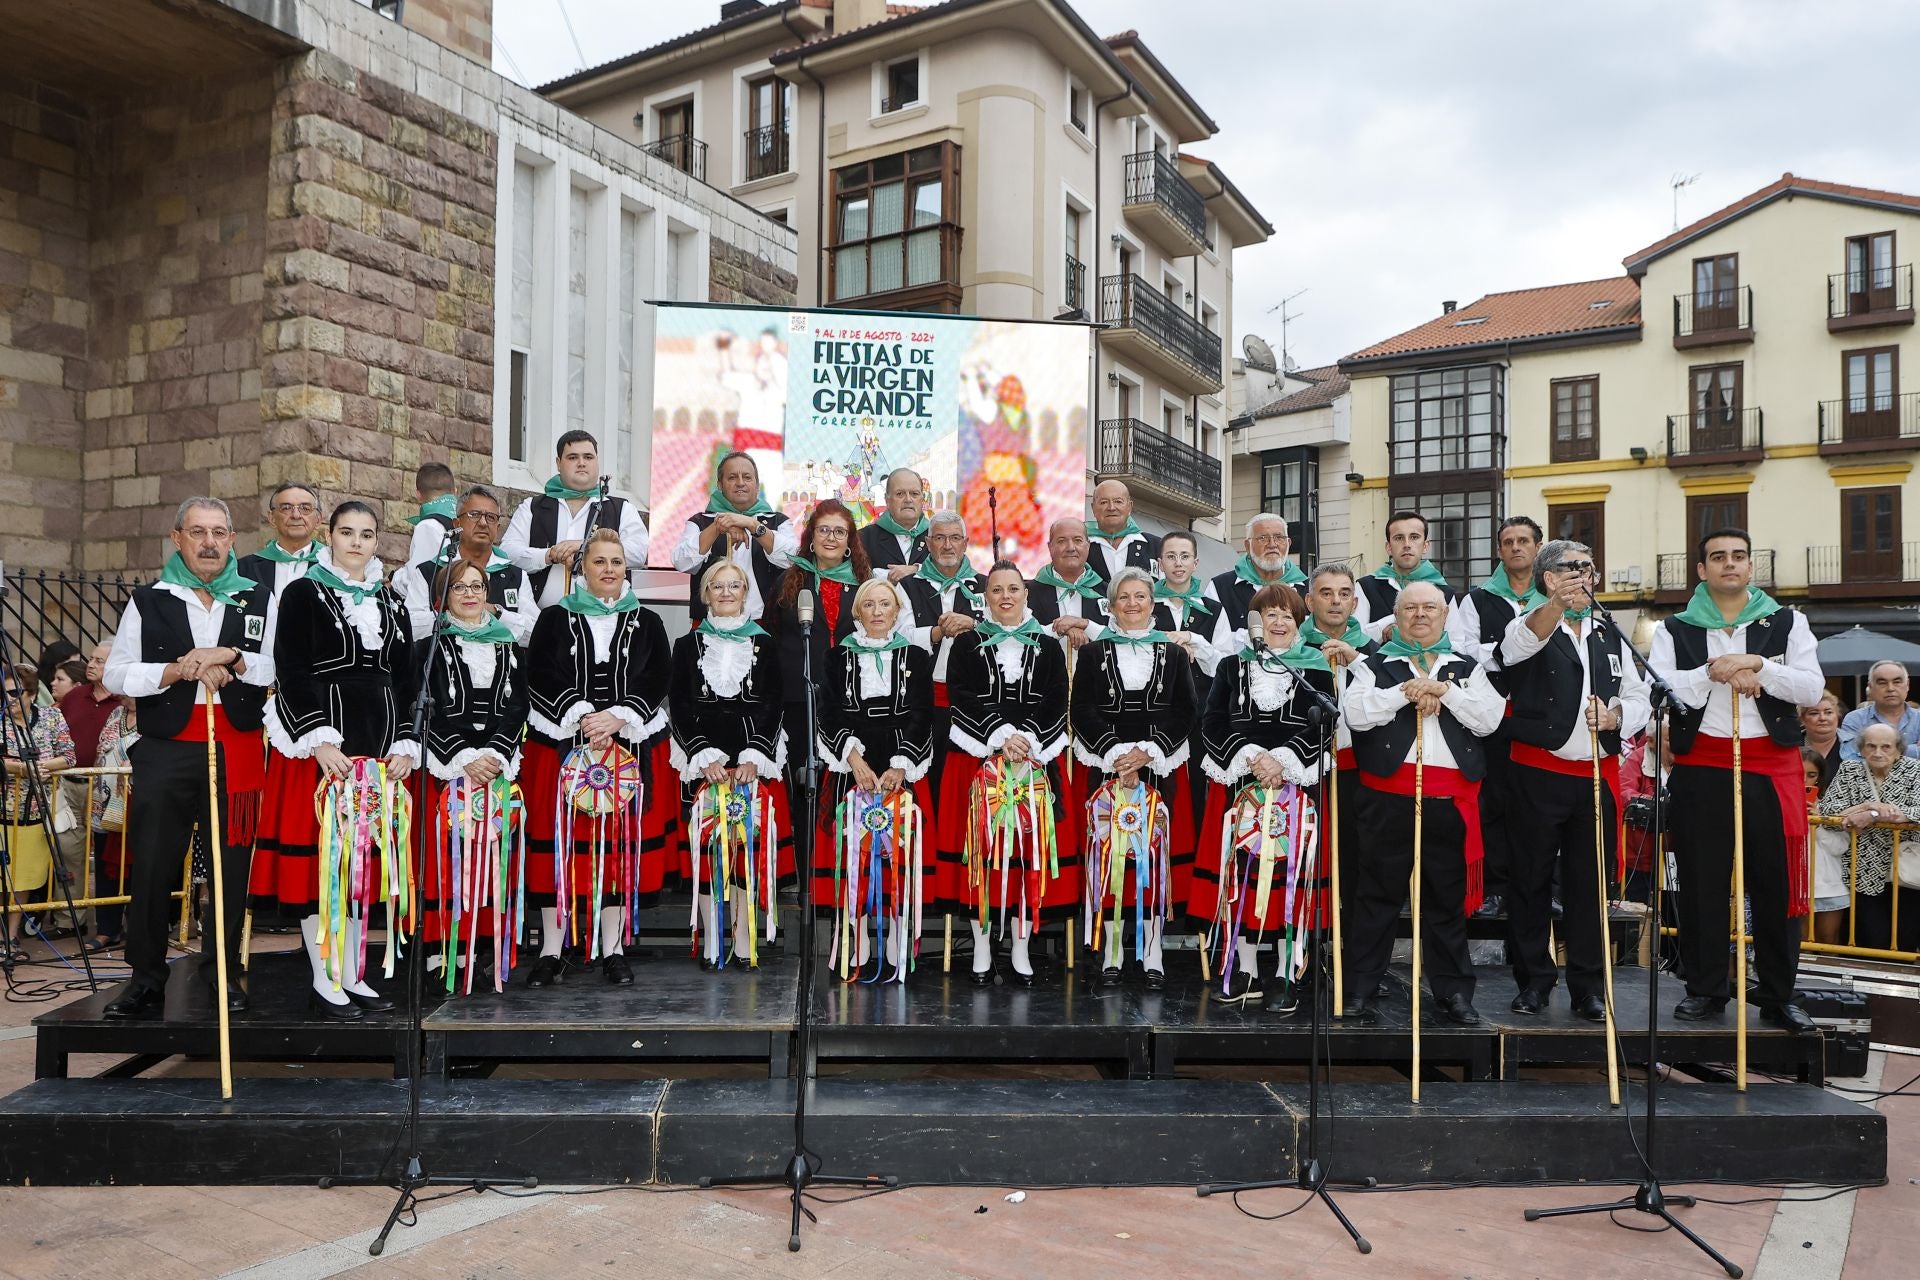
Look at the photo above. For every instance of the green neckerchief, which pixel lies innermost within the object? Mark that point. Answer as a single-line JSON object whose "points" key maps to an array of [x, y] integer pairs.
{"points": [[444, 504], [584, 602], [1113, 539], [1247, 571], [961, 578], [892, 526], [325, 577], [1422, 572], [226, 587], [1301, 655], [280, 555], [719, 505], [1311, 634], [1087, 588], [495, 561], [1701, 611], [1027, 634], [1502, 586], [492, 631], [1195, 595], [1152, 637], [842, 572], [852, 639], [557, 488], [1400, 647], [745, 631]]}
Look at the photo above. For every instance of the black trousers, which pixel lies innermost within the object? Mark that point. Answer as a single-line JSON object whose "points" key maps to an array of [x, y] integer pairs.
{"points": [[169, 797], [1873, 919], [1385, 869], [1347, 782], [1498, 831], [1702, 826], [1551, 823]]}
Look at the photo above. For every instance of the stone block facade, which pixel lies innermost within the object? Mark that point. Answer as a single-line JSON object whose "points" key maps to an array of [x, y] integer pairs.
{"points": [[737, 275]]}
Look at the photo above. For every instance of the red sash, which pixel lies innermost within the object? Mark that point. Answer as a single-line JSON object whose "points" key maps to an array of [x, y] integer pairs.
{"points": [[940, 694], [1452, 784], [246, 767], [1540, 758], [1781, 766], [1343, 760]]}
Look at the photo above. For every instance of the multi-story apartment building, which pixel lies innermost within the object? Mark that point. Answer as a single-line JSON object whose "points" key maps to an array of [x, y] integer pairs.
{"points": [[1744, 371], [982, 157], [1290, 439]]}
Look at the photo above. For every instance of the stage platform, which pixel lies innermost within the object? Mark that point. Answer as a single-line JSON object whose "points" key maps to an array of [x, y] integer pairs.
{"points": [[1070, 1080]]}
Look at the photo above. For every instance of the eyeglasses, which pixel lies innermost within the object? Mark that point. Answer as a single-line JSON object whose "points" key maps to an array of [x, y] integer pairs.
{"points": [[297, 508], [1575, 566], [1273, 539], [481, 517], [467, 589], [829, 531], [200, 532]]}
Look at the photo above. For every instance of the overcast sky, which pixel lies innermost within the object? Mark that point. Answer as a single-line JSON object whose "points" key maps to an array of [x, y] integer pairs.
{"points": [[1408, 152]]}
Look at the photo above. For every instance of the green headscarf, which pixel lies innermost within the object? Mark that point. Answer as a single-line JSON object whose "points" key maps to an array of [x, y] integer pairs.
{"points": [[557, 488], [492, 631], [274, 552], [444, 505], [1401, 647], [1151, 638], [842, 572], [1701, 611], [325, 577], [227, 585], [1087, 588], [1247, 571], [1500, 585], [1299, 655], [1113, 539], [1422, 572], [718, 504], [1028, 634], [1311, 634], [1195, 596], [851, 640], [584, 602], [887, 522], [745, 631]]}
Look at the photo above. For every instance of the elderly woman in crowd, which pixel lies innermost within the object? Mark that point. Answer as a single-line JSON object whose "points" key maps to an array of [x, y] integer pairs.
{"points": [[1883, 785], [1822, 724]]}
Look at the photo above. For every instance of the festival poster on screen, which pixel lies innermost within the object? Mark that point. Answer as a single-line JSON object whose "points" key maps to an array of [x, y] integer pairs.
{"points": [[830, 402]]}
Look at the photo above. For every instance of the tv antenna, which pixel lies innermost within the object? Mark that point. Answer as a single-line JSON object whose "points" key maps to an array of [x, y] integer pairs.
{"points": [[1679, 182], [1287, 362]]}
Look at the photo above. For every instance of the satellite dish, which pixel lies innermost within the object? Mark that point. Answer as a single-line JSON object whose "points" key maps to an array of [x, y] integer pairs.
{"points": [[1259, 354], [1291, 365]]}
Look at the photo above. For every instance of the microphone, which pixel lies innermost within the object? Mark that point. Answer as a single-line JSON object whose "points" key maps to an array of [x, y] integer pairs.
{"points": [[605, 484], [803, 605]]}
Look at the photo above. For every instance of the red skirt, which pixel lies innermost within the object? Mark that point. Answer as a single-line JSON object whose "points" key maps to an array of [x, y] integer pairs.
{"points": [[947, 889], [826, 856], [659, 820], [776, 790], [1203, 902], [1177, 794], [286, 852]]}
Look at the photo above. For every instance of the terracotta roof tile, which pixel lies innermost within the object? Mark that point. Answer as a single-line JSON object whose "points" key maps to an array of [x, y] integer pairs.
{"points": [[1787, 184], [1520, 315], [1329, 384]]}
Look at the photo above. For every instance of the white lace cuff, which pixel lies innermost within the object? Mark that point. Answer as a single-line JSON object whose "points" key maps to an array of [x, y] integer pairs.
{"points": [[1158, 761], [771, 769], [839, 763], [913, 771], [303, 747], [1240, 768], [690, 769], [967, 742], [1048, 752], [448, 770], [406, 748]]}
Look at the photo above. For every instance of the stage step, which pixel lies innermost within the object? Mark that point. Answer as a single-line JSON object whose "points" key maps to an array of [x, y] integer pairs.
{"points": [[178, 1132]]}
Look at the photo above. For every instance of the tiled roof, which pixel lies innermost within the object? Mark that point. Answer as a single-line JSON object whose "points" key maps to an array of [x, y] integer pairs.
{"points": [[1590, 306], [1329, 384], [1787, 185]]}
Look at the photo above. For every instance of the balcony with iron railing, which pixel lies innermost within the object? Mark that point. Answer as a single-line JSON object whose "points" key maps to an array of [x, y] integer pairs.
{"points": [[1164, 203], [1677, 576], [1870, 298], [1075, 297], [1712, 317], [1715, 436], [1864, 572], [1870, 424], [1153, 462], [1145, 325], [765, 150], [683, 151]]}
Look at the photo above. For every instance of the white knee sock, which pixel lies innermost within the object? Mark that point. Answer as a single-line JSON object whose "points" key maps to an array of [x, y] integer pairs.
{"points": [[322, 980], [550, 931], [1022, 934], [896, 947], [742, 934], [1113, 950], [982, 947], [350, 983], [1247, 958], [709, 930], [610, 944], [1151, 959]]}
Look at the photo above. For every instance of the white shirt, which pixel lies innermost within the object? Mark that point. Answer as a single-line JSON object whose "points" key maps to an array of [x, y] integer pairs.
{"points": [[1073, 606], [1463, 630], [126, 674], [1115, 558], [1474, 702], [786, 542], [429, 540], [286, 572], [1794, 678], [1520, 645], [1203, 627], [572, 527], [923, 636], [418, 597]]}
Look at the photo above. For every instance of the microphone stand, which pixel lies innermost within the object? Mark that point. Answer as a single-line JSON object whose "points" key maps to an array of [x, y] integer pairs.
{"points": [[416, 1179], [993, 519], [1648, 1197], [593, 513], [1311, 1175], [803, 1166]]}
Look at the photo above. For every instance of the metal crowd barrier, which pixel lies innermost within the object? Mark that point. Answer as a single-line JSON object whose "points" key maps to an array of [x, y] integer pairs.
{"points": [[1851, 946]]}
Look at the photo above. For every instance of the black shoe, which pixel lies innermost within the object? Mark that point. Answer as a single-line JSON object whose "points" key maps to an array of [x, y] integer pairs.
{"points": [[548, 971], [1382, 989], [236, 991], [1156, 980], [1492, 908], [1590, 1008], [1789, 1017], [325, 1008], [1459, 1010], [1018, 978], [136, 1002], [706, 965], [1283, 1000], [1242, 987], [375, 1003], [618, 969], [1365, 1011], [1699, 1008], [982, 977], [1110, 977], [1529, 1003]]}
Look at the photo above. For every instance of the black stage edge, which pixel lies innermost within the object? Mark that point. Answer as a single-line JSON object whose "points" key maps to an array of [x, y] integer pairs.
{"points": [[1159, 1132]]}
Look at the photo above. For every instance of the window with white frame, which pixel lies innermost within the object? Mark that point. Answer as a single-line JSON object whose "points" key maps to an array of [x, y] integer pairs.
{"points": [[902, 83], [1077, 104], [520, 322]]}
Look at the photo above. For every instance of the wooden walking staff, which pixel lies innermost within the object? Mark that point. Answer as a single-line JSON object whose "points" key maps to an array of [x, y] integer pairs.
{"points": [[1600, 886], [1333, 823], [215, 858], [1739, 907], [1419, 813]]}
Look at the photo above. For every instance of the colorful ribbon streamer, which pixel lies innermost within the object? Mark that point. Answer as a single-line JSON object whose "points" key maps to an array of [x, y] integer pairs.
{"points": [[1130, 830], [605, 787], [877, 875], [366, 838], [480, 851], [1267, 832], [1009, 826], [736, 845]]}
